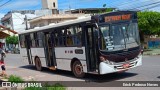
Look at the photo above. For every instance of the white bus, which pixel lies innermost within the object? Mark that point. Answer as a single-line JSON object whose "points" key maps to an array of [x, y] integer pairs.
{"points": [[98, 44]]}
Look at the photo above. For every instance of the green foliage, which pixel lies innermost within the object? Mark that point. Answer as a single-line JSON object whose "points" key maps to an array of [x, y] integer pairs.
{"points": [[108, 10], [56, 86], [14, 78], [12, 40], [149, 22]]}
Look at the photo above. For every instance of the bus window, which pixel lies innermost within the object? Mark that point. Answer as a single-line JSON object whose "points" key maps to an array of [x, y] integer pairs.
{"points": [[33, 43], [22, 41], [39, 39], [60, 36], [78, 34], [74, 36], [55, 38], [69, 38]]}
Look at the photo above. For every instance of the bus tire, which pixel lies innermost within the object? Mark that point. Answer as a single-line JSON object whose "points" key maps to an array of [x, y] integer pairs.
{"points": [[77, 69], [38, 64]]}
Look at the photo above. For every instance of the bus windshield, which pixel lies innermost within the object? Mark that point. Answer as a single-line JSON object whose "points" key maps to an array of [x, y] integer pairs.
{"points": [[119, 36]]}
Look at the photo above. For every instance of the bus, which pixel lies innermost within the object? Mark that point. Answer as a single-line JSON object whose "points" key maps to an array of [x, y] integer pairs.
{"points": [[98, 44]]}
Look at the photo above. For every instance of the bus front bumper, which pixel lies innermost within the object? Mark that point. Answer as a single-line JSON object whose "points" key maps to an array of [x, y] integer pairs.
{"points": [[106, 68]]}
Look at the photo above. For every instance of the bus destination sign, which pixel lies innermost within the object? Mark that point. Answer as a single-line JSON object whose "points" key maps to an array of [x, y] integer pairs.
{"points": [[118, 17]]}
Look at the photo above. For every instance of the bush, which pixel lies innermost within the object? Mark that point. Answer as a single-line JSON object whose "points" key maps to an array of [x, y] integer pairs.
{"points": [[57, 86], [14, 78]]}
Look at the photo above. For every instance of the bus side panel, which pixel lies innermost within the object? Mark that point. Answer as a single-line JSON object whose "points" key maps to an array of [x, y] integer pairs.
{"points": [[64, 55], [40, 53]]}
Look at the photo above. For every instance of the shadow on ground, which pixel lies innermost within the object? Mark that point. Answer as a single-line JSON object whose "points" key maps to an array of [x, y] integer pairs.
{"points": [[88, 77]]}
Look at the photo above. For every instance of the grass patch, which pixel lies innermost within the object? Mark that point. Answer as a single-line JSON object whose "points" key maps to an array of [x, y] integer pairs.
{"points": [[14, 78], [17, 79]]}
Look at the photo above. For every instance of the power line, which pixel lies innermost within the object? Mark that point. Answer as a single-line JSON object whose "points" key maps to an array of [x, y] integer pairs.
{"points": [[5, 3], [146, 5], [152, 7], [129, 4]]}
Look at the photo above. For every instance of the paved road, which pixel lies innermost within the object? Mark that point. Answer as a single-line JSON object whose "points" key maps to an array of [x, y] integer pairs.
{"points": [[149, 71]]}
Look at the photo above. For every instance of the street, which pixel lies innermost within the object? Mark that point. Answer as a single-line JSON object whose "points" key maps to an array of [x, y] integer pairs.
{"points": [[149, 71]]}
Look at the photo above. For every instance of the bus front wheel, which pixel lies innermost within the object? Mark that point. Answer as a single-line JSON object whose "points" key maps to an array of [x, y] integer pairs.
{"points": [[77, 69], [38, 64]]}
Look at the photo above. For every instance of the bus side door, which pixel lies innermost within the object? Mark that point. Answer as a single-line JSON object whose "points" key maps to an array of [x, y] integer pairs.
{"points": [[28, 48], [49, 49], [91, 47]]}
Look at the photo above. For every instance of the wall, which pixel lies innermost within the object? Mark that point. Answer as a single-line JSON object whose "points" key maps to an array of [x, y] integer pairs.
{"points": [[48, 4], [151, 42], [19, 23]]}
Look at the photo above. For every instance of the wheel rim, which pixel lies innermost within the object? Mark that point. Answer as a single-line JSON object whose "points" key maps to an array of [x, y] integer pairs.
{"points": [[78, 69]]}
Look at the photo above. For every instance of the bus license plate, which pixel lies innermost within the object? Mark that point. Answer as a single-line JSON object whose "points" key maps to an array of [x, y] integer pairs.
{"points": [[125, 65]]}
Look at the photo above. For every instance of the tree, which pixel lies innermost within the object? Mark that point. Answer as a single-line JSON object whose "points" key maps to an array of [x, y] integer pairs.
{"points": [[12, 40], [149, 22]]}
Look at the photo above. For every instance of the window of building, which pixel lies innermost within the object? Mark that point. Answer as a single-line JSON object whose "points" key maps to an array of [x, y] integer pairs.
{"points": [[54, 5]]}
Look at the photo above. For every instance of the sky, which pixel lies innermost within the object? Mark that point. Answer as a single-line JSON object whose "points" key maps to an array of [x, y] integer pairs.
{"points": [[74, 4]]}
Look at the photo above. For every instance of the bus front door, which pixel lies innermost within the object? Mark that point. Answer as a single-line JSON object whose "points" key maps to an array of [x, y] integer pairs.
{"points": [[28, 48], [91, 48], [49, 50]]}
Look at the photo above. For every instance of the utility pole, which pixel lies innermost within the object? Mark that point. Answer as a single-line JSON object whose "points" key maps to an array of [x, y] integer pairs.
{"points": [[26, 22]]}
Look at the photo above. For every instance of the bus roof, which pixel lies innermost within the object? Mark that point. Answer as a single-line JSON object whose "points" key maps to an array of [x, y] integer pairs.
{"points": [[69, 22]]}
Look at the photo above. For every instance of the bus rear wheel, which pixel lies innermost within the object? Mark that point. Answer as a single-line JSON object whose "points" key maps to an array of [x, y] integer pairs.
{"points": [[38, 64], [77, 69]]}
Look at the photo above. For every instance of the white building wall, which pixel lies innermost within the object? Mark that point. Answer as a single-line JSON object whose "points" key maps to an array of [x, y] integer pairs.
{"points": [[19, 23], [43, 12]]}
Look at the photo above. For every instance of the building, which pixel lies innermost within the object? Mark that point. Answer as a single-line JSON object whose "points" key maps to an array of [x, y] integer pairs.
{"points": [[51, 5], [16, 20], [52, 19]]}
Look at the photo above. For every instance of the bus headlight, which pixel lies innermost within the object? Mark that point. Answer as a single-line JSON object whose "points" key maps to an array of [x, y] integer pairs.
{"points": [[103, 59]]}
